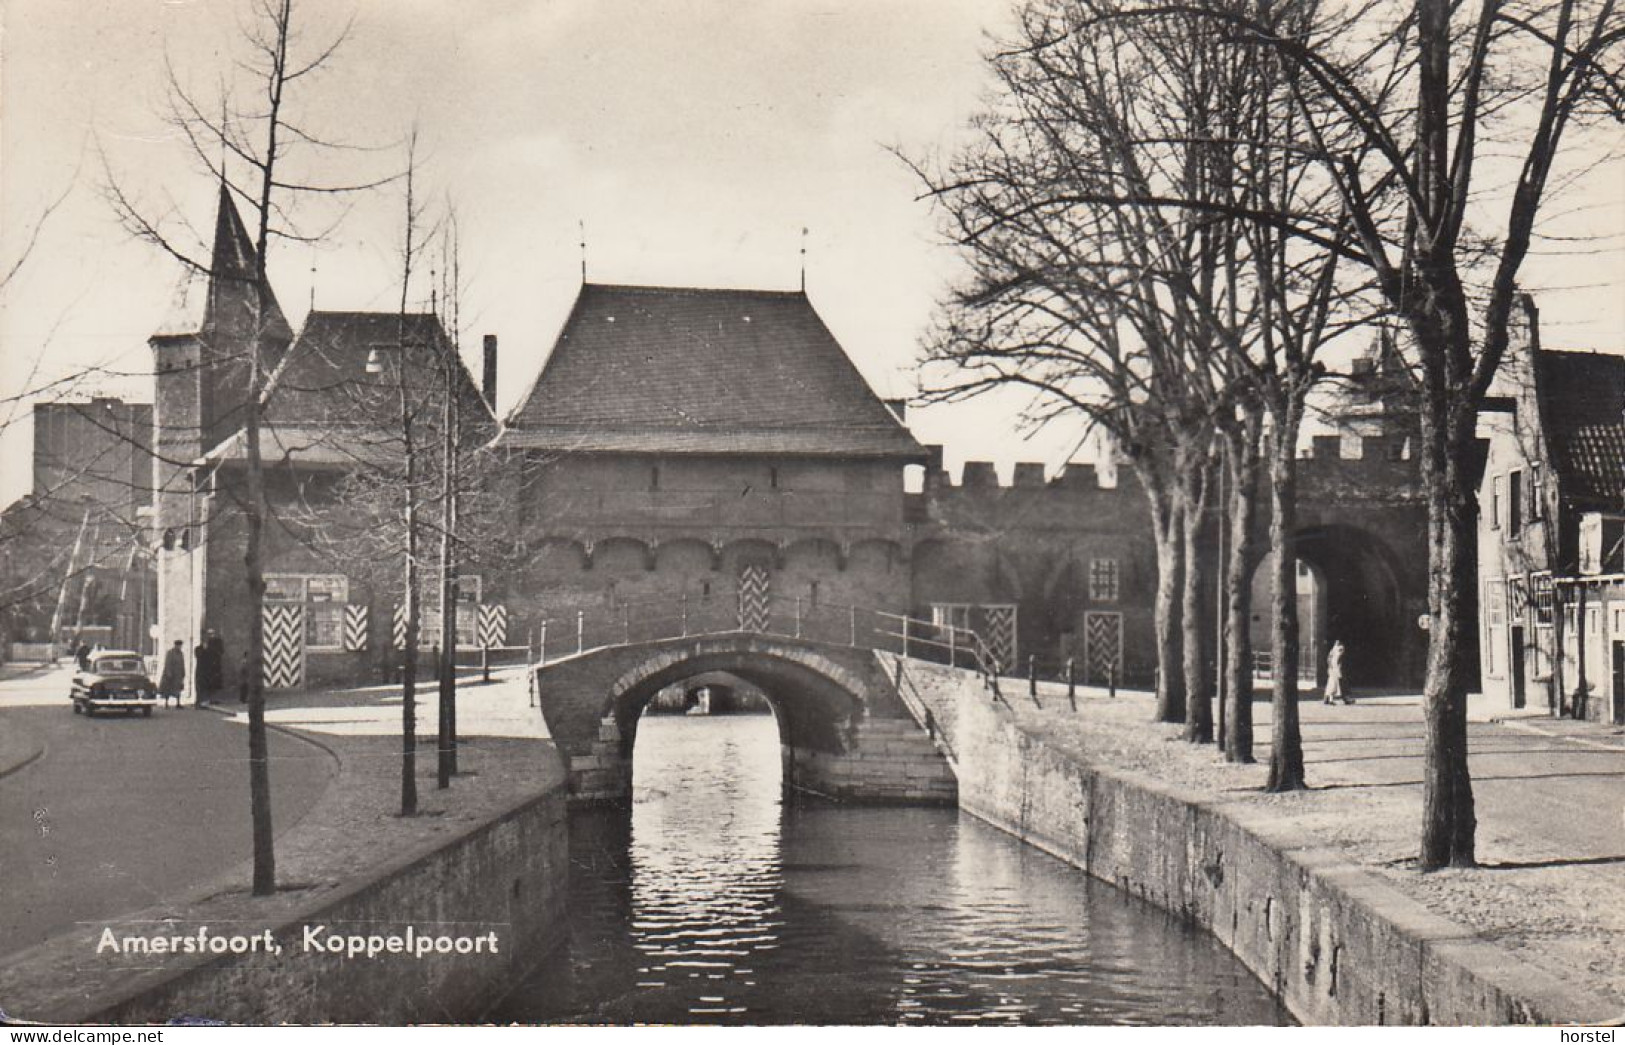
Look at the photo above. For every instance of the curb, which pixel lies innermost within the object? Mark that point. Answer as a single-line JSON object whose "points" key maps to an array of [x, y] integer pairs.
{"points": [[287, 731]]}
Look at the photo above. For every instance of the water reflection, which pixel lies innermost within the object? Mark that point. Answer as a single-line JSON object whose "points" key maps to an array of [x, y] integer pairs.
{"points": [[715, 903]]}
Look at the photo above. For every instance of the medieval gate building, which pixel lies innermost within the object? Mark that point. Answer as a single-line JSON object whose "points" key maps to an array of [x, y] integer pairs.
{"points": [[715, 452]]}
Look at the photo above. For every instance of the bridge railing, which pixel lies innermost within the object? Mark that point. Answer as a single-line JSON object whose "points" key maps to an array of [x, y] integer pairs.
{"points": [[652, 618]]}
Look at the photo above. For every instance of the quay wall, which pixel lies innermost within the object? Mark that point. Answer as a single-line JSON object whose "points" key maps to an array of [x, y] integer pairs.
{"points": [[1335, 945], [506, 874]]}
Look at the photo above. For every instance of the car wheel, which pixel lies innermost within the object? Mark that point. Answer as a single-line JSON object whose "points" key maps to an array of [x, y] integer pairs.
{"points": [[90, 711], [77, 710]]}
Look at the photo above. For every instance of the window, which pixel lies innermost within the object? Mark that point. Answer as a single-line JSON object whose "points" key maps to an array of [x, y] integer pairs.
{"points": [[1515, 503], [654, 478], [468, 625], [467, 596], [1517, 597], [1497, 495], [1542, 585], [950, 615], [1537, 509], [812, 594], [1103, 580], [324, 596], [1494, 626], [773, 478]]}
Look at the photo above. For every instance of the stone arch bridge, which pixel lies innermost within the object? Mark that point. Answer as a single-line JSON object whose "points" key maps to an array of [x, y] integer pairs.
{"points": [[845, 732]]}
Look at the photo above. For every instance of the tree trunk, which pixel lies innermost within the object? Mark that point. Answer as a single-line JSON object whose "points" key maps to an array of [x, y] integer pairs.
{"points": [[1238, 665], [259, 766], [409, 662], [1166, 529], [1448, 820], [1582, 686], [1286, 739], [1198, 688], [445, 764]]}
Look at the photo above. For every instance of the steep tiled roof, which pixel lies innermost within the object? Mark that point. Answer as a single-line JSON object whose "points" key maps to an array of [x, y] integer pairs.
{"points": [[1583, 401], [670, 370], [326, 379]]}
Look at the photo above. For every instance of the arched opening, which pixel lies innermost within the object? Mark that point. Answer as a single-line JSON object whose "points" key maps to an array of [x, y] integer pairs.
{"points": [[1347, 589], [810, 713], [1311, 599]]}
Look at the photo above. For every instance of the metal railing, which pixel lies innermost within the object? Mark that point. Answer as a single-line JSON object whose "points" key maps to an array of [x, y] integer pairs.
{"points": [[910, 694], [653, 618]]}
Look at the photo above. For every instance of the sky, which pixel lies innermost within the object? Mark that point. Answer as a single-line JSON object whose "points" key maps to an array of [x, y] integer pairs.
{"points": [[692, 140]]}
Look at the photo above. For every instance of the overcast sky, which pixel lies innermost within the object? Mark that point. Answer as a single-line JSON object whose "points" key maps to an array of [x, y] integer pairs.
{"points": [[694, 140]]}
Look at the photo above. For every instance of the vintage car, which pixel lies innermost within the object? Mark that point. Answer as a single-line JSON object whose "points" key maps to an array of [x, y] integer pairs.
{"points": [[116, 679]]}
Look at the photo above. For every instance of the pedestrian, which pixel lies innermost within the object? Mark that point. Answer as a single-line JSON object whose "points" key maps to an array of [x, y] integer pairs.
{"points": [[81, 653], [210, 656], [172, 683], [1334, 675]]}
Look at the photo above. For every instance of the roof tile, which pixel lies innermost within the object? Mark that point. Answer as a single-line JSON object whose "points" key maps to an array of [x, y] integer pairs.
{"points": [[656, 369]]}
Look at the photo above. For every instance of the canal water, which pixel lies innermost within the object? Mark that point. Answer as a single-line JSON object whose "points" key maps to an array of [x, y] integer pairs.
{"points": [[716, 903]]}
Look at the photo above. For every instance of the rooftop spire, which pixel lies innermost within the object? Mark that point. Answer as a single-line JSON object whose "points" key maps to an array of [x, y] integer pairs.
{"points": [[232, 270]]}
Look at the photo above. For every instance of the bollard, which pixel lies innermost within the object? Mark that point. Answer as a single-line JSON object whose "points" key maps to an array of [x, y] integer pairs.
{"points": [[798, 616], [1071, 685], [1111, 679], [541, 653], [626, 624], [485, 663], [854, 626], [905, 636], [953, 661], [685, 614], [581, 629], [1032, 675]]}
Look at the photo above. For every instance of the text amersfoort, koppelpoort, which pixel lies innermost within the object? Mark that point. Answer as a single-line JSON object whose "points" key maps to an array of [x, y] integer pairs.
{"points": [[315, 939]]}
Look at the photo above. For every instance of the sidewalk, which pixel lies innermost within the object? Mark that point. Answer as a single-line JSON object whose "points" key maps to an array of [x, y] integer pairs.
{"points": [[499, 708], [1549, 794]]}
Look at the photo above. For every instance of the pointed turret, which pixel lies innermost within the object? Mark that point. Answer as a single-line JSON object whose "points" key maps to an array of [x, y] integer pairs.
{"points": [[229, 308], [202, 353]]}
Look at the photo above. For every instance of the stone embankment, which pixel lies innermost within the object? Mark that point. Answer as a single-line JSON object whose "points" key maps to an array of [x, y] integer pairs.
{"points": [[1335, 942], [482, 868]]}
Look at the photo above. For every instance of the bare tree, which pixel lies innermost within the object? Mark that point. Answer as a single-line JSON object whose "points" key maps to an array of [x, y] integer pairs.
{"points": [[1119, 267], [257, 138], [1517, 76]]}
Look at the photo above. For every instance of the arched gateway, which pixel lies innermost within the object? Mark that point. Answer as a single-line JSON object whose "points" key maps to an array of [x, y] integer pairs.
{"points": [[844, 731]]}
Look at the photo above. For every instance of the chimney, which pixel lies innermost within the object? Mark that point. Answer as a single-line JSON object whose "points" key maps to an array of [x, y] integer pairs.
{"points": [[488, 376]]}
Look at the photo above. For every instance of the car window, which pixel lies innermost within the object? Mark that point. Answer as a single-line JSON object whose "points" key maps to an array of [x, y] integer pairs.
{"points": [[117, 664]]}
